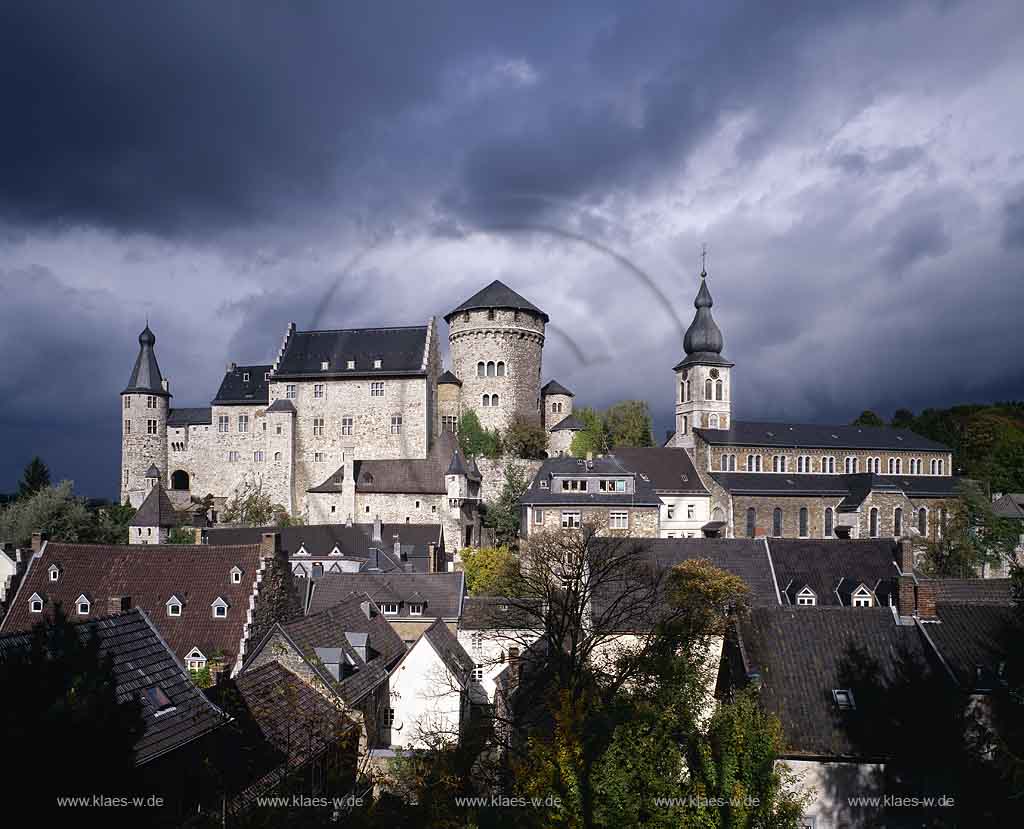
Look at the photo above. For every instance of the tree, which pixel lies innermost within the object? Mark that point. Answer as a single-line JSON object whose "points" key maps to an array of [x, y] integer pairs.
{"points": [[525, 439], [628, 423], [503, 515], [474, 440], [902, 419], [868, 418], [490, 571], [250, 506], [54, 510], [181, 535], [112, 523], [593, 438], [35, 478]]}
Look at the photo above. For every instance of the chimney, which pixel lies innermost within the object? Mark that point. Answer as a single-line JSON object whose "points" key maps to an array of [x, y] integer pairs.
{"points": [[906, 555], [166, 384], [906, 599], [38, 540], [431, 553], [398, 547], [230, 367], [348, 521], [927, 593], [590, 457], [270, 545], [376, 530], [119, 604], [366, 607], [198, 531]]}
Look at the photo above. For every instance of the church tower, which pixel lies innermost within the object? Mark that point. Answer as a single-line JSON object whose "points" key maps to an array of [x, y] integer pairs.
{"points": [[703, 393], [144, 406]]}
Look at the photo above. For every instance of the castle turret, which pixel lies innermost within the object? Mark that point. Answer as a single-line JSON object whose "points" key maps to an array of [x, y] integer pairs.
{"points": [[703, 393], [496, 340], [144, 405]]}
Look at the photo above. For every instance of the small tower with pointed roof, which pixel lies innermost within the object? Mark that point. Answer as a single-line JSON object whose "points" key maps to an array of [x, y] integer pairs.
{"points": [[703, 391], [144, 406]]}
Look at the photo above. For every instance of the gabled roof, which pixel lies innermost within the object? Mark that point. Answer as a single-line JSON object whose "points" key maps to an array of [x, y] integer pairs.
{"points": [[282, 405], [142, 660], [834, 568], [497, 613], [149, 574], [975, 640], [1010, 505], [442, 592], [818, 436], [570, 422], [554, 387], [496, 295], [975, 591], [156, 511], [146, 377], [448, 378], [669, 469], [236, 390], [401, 351], [601, 466], [452, 654], [179, 418]]}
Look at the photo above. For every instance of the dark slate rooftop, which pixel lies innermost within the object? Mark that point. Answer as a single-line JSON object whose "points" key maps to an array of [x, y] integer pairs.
{"points": [[854, 488], [554, 387], [1010, 505], [669, 469], [799, 654], [975, 591], [497, 295], [236, 390], [602, 466], [319, 542], [146, 377], [402, 352], [448, 377], [198, 416], [282, 405], [834, 568], [149, 574], [156, 511], [497, 613], [974, 640], [570, 422], [454, 656], [142, 661], [440, 593], [818, 436]]}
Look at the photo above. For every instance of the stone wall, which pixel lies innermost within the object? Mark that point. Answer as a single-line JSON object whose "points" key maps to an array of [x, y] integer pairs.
{"points": [[139, 449], [643, 521], [560, 442], [715, 453], [492, 474], [556, 407], [698, 408]]}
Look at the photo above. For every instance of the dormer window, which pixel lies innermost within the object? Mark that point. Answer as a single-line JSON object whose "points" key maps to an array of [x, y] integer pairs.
{"points": [[806, 598], [54, 572], [302, 551], [377, 363], [266, 375], [83, 604], [220, 608], [195, 660], [415, 609], [844, 699], [351, 364], [35, 603], [324, 364], [862, 597], [236, 575], [389, 608], [174, 606], [245, 377]]}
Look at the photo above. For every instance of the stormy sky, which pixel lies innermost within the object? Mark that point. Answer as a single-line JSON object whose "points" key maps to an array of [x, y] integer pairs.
{"points": [[855, 169]]}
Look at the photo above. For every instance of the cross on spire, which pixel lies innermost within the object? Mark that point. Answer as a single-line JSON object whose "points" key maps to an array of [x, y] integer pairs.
{"points": [[703, 261]]}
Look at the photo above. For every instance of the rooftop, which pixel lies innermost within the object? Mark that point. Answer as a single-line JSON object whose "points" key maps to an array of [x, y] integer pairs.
{"points": [[400, 352], [818, 436], [244, 385], [496, 295], [669, 469], [441, 594]]}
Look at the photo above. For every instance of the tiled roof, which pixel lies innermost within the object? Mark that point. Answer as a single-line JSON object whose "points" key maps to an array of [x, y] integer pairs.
{"points": [[496, 295], [975, 591], [443, 592], [401, 352], [418, 475], [1010, 505], [454, 656], [974, 640], [235, 389], [554, 387], [601, 466], [448, 378], [497, 613], [282, 405], [833, 568], [669, 469], [156, 511], [142, 660], [179, 418], [855, 488], [571, 423], [818, 436], [149, 575], [146, 377]]}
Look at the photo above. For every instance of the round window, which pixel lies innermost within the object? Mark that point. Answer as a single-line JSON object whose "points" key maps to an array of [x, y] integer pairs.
{"points": [[714, 374]]}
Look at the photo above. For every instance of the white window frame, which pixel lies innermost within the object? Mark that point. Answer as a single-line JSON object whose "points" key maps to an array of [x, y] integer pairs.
{"points": [[318, 427], [571, 519], [243, 424], [389, 608], [415, 608], [35, 603], [806, 598], [618, 520], [377, 388], [396, 424], [223, 424], [219, 608], [54, 572], [318, 391], [861, 597], [170, 604], [83, 601], [236, 575], [347, 424], [538, 516]]}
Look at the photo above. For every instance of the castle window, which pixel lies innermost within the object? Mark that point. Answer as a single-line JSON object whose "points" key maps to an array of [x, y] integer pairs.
{"points": [[277, 456], [318, 390], [494, 400], [126, 477], [127, 402], [490, 369], [318, 427], [686, 424], [718, 390], [150, 427], [277, 429], [465, 317], [873, 523], [777, 522], [396, 424], [829, 517], [570, 520], [897, 522], [515, 316], [243, 423], [232, 457], [485, 401], [490, 313], [377, 389], [751, 521], [501, 368], [258, 456], [618, 520], [346, 425], [449, 423], [803, 522], [223, 423], [707, 389], [922, 521], [713, 422], [127, 427], [150, 402], [291, 391], [318, 457], [481, 369]]}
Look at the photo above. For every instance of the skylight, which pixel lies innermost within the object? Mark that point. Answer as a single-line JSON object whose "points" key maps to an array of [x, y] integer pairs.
{"points": [[159, 700], [844, 699]]}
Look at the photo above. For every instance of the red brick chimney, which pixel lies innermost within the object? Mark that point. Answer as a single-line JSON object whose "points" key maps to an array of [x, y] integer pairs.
{"points": [[38, 540], [906, 555], [927, 594], [119, 604], [270, 545]]}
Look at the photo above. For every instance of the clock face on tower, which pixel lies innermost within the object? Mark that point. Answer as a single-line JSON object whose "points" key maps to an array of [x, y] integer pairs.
{"points": [[714, 374]]}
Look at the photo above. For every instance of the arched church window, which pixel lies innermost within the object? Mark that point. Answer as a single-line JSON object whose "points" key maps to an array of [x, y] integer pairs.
{"points": [[485, 401], [494, 400], [751, 521], [922, 521], [707, 389], [777, 522], [713, 422], [501, 368], [689, 391], [803, 522], [873, 524], [828, 522], [897, 522], [718, 390], [490, 369]]}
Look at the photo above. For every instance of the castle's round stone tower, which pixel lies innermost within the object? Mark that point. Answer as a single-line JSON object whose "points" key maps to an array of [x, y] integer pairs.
{"points": [[144, 407], [496, 341]]}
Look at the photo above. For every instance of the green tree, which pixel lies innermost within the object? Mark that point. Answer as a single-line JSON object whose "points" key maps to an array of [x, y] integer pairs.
{"points": [[628, 423], [868, 418], [490, 571], [111, 524], [250, 506], [525, 439], [902, 419], [181, 535], [593, 438], [476, 441], [504, 514], [54, 510], [35, 478]]}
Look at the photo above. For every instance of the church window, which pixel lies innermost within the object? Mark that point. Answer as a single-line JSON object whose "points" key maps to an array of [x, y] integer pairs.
{"points": [[396, 424], [753, 463], [751, 522], [707, 389], [127, 402], [828, 465], [874, 465], [777, 522], [718, 390], [258, 456], [346, 424], [490, 368], [803, 522], [849, 465], [713, 421], [243, 423], [485, 401], [501, 368], [291, 391], [318, 427], [897, 522], [377, 389], [318, 457], [494, 400], [127, 427], [318, 390], [232, 457], [150, 427], [689, 391], [829, 517], [778, 463], [873, 523], [277, 456], [223, 423]]}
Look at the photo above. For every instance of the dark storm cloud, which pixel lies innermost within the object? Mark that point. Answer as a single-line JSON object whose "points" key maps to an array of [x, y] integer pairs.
{"points": [[1013, 222], [922, 236]]}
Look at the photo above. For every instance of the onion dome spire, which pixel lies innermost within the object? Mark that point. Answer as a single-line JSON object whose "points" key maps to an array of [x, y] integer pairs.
{"points": [[146, 377], [703, 341]]}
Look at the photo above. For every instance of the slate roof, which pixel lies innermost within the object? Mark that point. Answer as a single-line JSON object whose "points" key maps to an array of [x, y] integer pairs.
{"points": [[142, 660], [454, 656], [570, 422], [327, 629], [669, 469], [402, 352], [146, 377], [200, 416], [353, 542], [1010, 505], [703, 339], [975, 591], [852, 488], [496, 295], [554, 387], [156, 511], [235, 390], [602, 466], [496, 613], [834, 568], [818, 436], [447, 377], [974, 640], [282, 405], [799, 654], [149, 574], [443, 592]]}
